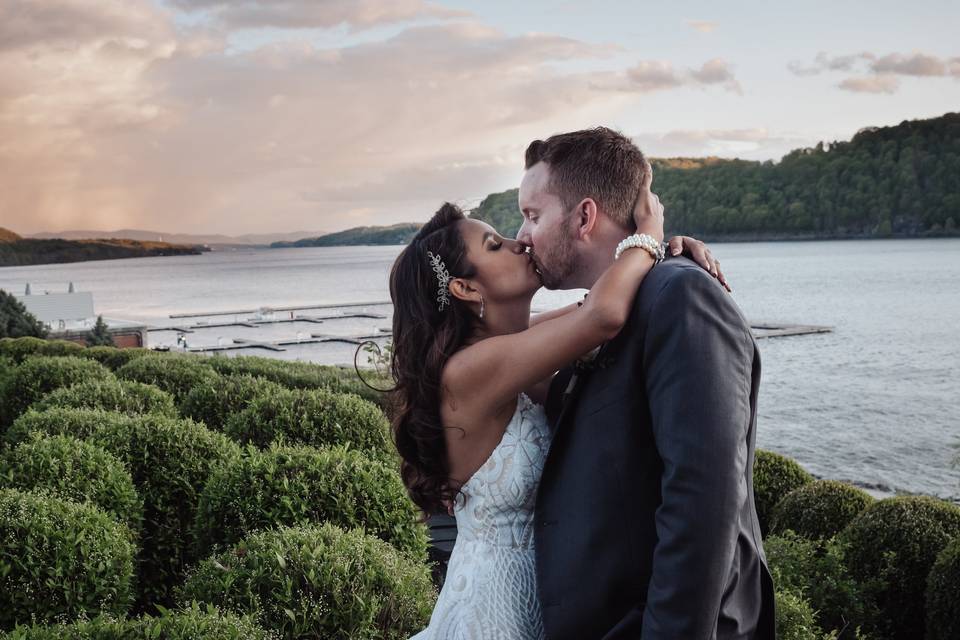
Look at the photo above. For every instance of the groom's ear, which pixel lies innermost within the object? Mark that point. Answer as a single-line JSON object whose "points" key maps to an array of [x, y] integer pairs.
{"points": [[585, 216]]}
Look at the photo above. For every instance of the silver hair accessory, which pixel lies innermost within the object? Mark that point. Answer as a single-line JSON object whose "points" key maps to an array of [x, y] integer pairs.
{"points": [[443, 280]]}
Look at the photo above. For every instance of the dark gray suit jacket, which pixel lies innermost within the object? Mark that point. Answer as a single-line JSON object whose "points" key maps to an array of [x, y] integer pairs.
{"points": [[645, 519]]}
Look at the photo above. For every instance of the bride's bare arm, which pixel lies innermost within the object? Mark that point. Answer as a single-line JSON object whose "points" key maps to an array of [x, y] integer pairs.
{"points": [[491, 373]]}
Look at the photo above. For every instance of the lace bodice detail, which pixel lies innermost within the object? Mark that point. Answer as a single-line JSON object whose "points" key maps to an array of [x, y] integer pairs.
{"points": [[490, 590], [495, 505]]}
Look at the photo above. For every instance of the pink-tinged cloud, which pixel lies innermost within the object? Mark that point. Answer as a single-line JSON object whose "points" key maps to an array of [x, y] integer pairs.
{"points": [[703, 26], [871, 84], [917, 64], [301, 14], [648, 76]]}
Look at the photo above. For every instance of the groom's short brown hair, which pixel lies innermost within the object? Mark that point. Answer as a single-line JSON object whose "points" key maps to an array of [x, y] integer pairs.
{"points": [[599, 163]]}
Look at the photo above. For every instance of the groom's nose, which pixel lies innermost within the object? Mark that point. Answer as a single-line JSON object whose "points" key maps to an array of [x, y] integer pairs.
{"points": [[523, 236]]}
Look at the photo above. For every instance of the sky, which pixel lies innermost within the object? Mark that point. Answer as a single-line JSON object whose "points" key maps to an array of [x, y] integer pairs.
{"points": [[261, 116]]}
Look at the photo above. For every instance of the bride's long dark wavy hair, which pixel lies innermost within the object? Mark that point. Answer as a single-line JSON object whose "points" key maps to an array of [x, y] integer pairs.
{"points": [[424, 339]]}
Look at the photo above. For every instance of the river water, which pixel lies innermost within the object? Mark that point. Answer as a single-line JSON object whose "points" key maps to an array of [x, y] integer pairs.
{"points": [[875, 402]]}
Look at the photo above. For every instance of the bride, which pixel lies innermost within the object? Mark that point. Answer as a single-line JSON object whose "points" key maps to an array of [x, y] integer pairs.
{"points": [[472, 369]]}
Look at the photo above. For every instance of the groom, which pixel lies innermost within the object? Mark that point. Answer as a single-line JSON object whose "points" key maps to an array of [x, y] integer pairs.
{"points": [[645, 518]]}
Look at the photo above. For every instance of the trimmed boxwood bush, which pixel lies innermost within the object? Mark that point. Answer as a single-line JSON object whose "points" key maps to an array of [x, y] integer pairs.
{"points": [[819, 509], [170, 462], [114, 358], [897, 540], [74, 470], [817, 572], [774, 476], [122, 396], [60, 560], [319, 418], [301, 485], [213, 402], [195, 622], [37, 376], [318, 581], [175, 374], [19, 349], [302, 375], [943, 595], [794, 617]]}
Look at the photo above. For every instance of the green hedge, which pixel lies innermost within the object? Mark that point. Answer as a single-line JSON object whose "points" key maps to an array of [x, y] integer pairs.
{"points": [[795, 620], [60, 560], [122, 396], [39, 375], [114, 358], [943, 595], [175, 374], [19, 349], [817, 572], [304, 375], [170, 461], [774, 476], [74, 470], [820, 509], [192, 623], [301, 485], [892, 546], [318, 417], [319, 582], [212, 403]]}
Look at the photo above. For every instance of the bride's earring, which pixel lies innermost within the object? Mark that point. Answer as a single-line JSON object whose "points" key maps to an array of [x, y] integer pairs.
{"points": [[481, 306]]}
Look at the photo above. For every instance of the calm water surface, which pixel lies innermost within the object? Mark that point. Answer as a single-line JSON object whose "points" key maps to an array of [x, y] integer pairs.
{"points": [[876, 402]]}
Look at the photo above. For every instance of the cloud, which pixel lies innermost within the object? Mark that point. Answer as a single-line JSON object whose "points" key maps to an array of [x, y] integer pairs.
{"points": [[871, 84], [878, 74], [758, 143], [658, 75], [703, 26], [301, 14]]}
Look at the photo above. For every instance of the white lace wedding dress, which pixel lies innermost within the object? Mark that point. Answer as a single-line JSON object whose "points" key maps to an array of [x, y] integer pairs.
{"points": [[490, 592]]}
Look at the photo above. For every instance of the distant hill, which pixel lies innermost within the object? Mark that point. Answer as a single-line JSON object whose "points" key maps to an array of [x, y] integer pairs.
{"points": [[394, 234], [8, 236], [18, 251], [253, 239], [899, 181]]}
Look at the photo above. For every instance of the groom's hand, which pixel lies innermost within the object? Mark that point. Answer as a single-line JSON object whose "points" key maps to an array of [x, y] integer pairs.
{"points": [[699, 253]]}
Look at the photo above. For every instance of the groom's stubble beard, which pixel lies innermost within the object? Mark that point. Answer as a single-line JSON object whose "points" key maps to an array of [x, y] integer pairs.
{"points": [[558, 263]]}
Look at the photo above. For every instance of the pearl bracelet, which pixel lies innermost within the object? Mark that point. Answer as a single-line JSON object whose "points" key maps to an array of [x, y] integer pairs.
{"points": [[642, 241]]}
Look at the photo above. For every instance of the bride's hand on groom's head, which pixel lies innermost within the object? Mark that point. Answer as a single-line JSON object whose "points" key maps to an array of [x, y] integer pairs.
{"points": [[648, 211], [699, 253]]}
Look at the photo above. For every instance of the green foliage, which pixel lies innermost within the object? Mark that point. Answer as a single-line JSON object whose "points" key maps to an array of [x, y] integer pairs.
{"points": [[891, 547], [71, 469], [401, 233], [99, 336], [170, 462], [110, 394], [901, 180], [175, 374], [55, 250], [114, 358], [60, 560], [816, 571], [301, 485], [943, 595], [214, 402], [774, 476], [795, 619], [317, 418], [19, 349], [318, 581], [192, 623], [819, 509], [16, 321], [39, 375], [299, 375]]}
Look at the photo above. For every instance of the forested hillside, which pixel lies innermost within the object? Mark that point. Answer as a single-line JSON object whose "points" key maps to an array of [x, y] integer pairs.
{"points": [[394, 234], [902, 180]]}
